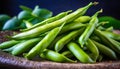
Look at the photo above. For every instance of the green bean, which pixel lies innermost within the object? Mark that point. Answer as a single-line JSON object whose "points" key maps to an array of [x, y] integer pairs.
{"points": [[109, 29], [89, 29], [63, 41], [27, 23], [94, 50], [8, 44], [44, 28], [25, 46], [101, 28], [72, 26], [51, 46], [102, 23], [111, 35], [105, 50], [10, 49], [96, 38], [108, 41], [67, 54], [83, 19], [79, 53], [49, 20], [44, 43], [54, 56]]}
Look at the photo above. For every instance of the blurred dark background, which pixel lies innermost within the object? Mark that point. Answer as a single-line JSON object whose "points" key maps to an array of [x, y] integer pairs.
{"points": [[110, 7]]}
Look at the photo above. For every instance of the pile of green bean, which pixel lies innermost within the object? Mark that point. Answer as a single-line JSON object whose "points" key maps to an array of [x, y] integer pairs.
{"points": [[67, 37]]}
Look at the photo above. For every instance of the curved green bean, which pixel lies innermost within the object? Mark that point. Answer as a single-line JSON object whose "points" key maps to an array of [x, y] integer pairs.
{"points": [[54, 56], [89, 29], [79, 53], [105, 50], [67, 54], [8, 44], [83, 19], [93, 49], [111, 35], [25, 46], [10, 49]]}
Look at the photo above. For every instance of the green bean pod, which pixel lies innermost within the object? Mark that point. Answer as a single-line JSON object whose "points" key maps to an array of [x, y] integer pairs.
{"points": [[66, 39], [105, 50], [25, 46], [44, 28], [96, 38], [89, 29], [10, 49], [49, 20], [54, 56], [83, 19], [79, 53], [72, 26], [28, 24], [109, 41], [93, 49], [43, 44], [51, 46], [67, 54], [8, 44], [112, 35]]}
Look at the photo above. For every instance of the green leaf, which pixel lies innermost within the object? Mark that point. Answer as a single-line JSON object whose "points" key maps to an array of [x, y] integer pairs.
{"points": [[25, 8], [112, 22], [3, 19], [37, 20], [24, 15], [45, 13], [11, 24]]}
